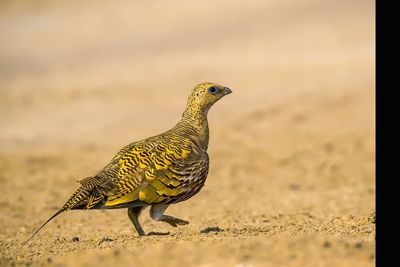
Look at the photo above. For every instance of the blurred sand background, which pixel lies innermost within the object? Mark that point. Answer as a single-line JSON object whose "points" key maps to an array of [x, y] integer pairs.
{"points": [[292, 175]]}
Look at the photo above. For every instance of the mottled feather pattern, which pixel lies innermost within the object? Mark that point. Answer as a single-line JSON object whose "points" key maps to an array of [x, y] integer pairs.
{"points": [[158, 171]]}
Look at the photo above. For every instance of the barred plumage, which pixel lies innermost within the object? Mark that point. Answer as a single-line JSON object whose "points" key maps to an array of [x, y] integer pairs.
{"points": [[161, 170]]}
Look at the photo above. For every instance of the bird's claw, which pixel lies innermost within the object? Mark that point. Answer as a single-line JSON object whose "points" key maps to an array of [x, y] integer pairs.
{"points": [[174, 222]]}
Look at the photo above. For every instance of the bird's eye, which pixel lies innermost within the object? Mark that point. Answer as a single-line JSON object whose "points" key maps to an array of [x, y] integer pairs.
{"points": [[213, 90]]}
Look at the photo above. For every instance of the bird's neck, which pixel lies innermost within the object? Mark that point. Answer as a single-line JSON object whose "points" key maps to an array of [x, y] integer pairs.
{"points": [[194, 122]]}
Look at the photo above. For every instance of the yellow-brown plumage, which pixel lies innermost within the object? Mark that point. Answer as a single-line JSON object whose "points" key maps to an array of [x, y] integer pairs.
{"points": [[165, 169]]}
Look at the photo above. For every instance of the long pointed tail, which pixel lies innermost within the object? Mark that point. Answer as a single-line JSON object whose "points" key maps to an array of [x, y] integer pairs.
{"points": [[48, 220], [79, 200]]}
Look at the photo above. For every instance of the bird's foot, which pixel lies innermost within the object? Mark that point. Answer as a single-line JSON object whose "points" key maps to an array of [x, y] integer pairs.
{"points": [[174, 221], [141, 233]]}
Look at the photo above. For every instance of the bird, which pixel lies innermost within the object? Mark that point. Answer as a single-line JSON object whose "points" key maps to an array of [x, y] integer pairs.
{"points": [[156, 172]]}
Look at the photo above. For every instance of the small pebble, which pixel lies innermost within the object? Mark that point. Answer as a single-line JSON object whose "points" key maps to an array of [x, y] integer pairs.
{"points": [[371, 257], [327, 244], [117, 252], [294, 187], [358, 245]]}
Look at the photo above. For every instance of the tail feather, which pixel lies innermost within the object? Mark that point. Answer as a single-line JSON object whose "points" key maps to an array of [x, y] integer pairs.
{"points": [[78, 200], [48, 220]]}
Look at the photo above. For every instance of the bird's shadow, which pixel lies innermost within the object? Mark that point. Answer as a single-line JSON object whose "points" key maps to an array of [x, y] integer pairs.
{"points": [[213, 229], [157, 233]]}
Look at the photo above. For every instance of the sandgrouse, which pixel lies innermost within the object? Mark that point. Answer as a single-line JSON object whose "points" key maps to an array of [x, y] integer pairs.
{"points": [[158, 171]]}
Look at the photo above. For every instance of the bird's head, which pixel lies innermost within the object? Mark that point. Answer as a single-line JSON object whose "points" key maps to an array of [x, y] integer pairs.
{"points": [[204, 95]]}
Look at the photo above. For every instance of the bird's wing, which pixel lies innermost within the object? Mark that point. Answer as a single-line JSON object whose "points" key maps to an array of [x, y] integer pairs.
{"points": [[187, 177], [160, 170]]}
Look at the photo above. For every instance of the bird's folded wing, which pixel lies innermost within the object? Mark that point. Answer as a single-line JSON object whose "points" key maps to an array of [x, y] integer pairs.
{"points": [[156, 174], [176, 181]]}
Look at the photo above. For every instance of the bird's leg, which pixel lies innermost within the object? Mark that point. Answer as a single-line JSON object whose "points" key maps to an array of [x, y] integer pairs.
{"points": [[133, 214], [157, 213]]}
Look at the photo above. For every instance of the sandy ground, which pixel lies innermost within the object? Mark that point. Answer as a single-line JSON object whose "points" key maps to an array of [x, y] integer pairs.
{"points": [[292, 178]]}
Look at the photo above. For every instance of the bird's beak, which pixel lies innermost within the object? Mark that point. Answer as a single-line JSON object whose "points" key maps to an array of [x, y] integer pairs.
{"points": [[227, 91]]}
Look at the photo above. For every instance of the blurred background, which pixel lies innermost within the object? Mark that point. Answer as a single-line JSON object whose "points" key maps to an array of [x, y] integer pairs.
{"points": [[292, 149]]}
